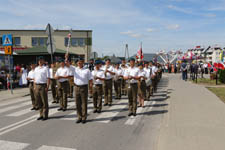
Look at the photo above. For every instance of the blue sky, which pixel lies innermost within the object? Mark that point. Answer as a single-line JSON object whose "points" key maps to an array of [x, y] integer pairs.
{"points": [[158, 24]]}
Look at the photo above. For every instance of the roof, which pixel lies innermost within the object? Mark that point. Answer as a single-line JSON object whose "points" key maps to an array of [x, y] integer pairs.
{"points": [[56, 30], [39, 51], [149, 57]]}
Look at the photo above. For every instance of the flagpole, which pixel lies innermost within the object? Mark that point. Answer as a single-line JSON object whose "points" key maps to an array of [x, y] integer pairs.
{"points": [[68, 44]]}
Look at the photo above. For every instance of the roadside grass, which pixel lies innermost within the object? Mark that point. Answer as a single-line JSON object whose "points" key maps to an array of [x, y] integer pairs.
{"points": [[206, 81], [218, 91]]}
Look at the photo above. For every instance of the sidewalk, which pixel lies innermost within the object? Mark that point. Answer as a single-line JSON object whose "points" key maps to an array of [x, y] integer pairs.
{"points": [[19, 92], [195, 118]]}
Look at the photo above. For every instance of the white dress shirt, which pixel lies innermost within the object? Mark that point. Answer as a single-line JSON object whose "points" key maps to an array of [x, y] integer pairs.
{"points": [[108, 75], [142, 73], [51, 73], [41, 75], [62, 71], [81, 76], [31, 76], [98, 73], [132, 72], [147, 70], [118, 72]]}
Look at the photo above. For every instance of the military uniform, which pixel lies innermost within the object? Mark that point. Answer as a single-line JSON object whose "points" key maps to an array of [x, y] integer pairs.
{"points": [[31, 88], [82, 77], [148, 84], [71, 84], [53, 84], [132, 89], [97, 89], [108, 85], [63, 86], [118, 82], [41, 81], [124, 83]]}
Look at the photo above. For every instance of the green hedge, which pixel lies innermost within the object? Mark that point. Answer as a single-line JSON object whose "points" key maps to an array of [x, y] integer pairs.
{"points": [[222, 76]]}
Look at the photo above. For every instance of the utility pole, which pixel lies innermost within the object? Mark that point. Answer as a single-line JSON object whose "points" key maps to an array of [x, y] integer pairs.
{"points": [[126, 52]]}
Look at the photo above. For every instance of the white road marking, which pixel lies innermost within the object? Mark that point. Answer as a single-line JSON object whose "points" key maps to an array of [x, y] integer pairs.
{"points": [[20, 113], [132, 120], [110, 114], [14, 101], [15, 107], [7, 145], [53, 148]]}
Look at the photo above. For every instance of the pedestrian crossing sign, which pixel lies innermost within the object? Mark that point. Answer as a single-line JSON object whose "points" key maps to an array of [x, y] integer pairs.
{"points": [[7, 40]]}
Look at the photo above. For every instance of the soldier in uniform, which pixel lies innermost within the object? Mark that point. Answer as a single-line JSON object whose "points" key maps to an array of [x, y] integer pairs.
{"points": [[53, 83], [109, 73], [148, 80], [71, 83], [124, 84], [142, 74], [118, 81], [82, 77], [62, 75], [153, 73], [98, 79], [30, 78], [41, 85], [131, 74]]}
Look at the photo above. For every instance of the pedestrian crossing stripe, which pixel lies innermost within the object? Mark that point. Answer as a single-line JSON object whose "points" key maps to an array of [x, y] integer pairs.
{"points": [[7, 145], [7, 40], [44, 147]]}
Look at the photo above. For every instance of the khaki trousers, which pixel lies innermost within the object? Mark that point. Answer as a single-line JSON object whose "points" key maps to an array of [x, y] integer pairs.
{"points": [[42, 99], [53, 89], [97, 96], [132, 96], [81, 97], [32, 94], [118, 88], [108, 91], [124, 87], [62, 89]]}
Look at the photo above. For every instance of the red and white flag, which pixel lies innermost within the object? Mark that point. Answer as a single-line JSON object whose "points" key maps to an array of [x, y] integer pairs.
{"points": [[69, 35], [140, 55]]}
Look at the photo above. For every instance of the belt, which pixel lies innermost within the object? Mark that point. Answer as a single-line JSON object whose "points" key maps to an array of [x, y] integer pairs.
{"points": [[82, 85], [98, 84], [41, 83], [133, 83], [63, 82], [108, 79]]}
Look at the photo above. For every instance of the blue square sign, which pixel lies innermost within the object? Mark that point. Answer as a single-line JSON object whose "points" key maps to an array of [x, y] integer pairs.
{"points": [[7, 40]]}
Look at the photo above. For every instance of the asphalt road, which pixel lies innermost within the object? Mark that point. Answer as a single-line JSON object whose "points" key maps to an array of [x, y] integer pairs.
{"points": [[110, 130]]}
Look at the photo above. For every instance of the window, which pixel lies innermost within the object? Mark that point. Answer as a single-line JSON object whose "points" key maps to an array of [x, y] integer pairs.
{"points": [[39, 41], [81, 42], [75, 42], [16, 41]]}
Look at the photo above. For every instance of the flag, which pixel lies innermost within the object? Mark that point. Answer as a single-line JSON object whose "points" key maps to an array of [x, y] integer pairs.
{"points": [[221, 66], [140, 55], [69, 35]]}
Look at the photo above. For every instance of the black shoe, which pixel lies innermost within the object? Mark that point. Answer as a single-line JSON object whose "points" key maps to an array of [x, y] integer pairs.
{"points": [[36, 109], [40, 118], [110, 105], [64, 109], [57, 102], [95, 111], [33, 108], [60, 109], [78, 121], [45, 118], [99, 111], [130, 114], [83, 121], [105, 104], [53, 102], [134, 114]]}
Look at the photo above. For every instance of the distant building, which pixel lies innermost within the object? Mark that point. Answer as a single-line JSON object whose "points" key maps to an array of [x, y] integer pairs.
{"points": [[81, 41]]}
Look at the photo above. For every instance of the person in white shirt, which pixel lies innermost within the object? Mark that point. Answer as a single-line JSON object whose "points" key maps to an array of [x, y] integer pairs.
{"points": [[98, 79], [82, 77], [148, 80], [53, 83], [109, 73], [142, 74], [131, 75], [41, 85], [30, 78], [62, 75], [123, 66], [118, 81], [71, 83], [153, 70]]}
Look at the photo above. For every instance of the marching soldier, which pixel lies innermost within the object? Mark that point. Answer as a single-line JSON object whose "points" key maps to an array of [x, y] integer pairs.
{"points": [[62, 75], [124, 84], [153, 72], [98, 78], [142, 74], [109, 73], [71, 83], [30, 78], [148, 80], [53, 83], [131, 75], [118, 80], [82, 77], [41, 85]]}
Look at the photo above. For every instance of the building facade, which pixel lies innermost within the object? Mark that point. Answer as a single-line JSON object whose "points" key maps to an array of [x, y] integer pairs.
{"points": [[81, 40]]}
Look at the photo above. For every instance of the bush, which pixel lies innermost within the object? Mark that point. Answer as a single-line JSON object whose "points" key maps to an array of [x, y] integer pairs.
{"points": [[222, 76]]}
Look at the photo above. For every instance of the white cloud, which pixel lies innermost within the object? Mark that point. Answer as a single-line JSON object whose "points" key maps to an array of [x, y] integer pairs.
{"points": [[150, 30], [173, 27], [132, 34], [136, 35], [127, 33]]}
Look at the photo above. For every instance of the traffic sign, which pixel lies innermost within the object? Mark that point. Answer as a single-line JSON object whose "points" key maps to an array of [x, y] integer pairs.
{"points": [[8, 50], [49, 48], [7, 40]]}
